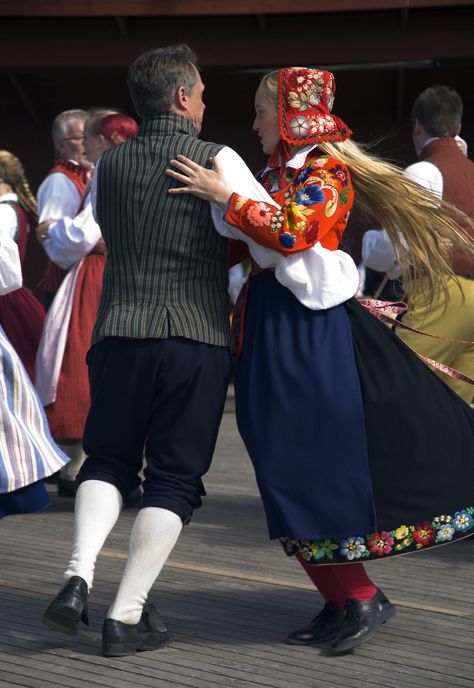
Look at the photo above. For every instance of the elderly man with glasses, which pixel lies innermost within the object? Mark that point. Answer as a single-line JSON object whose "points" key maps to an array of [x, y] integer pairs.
{"points": [[62, 191], [61, 195]]}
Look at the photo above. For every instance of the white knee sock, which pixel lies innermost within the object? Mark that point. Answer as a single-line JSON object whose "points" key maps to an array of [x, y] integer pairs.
{"points": [[97, 508], [154, 535], [77, 456]]}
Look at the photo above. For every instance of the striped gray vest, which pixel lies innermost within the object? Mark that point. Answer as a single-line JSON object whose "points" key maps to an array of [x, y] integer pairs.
{"points": [[167, 268]]}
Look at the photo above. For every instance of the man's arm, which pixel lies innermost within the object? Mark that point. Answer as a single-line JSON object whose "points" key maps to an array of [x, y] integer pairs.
{"points": [[71, 238], [377, 249]]}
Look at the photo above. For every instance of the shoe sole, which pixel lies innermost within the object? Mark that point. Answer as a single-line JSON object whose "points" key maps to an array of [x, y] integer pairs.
{"points": [[62, 618], [317, 643], [347, 647], [125, 650]]}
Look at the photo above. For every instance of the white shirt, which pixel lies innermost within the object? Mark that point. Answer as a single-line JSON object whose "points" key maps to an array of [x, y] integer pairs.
{"points": [[8, 217], [378, 251], [10, 266], [57, 196], [72, 238]]}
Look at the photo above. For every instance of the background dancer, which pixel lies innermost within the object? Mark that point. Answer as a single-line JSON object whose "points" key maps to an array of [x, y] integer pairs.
{"points": [[21, 314], [75, 244], [62, 192], [27, 451]]}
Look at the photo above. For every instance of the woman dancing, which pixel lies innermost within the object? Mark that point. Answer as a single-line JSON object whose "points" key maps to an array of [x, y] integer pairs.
{"points": [[315, 389], [27, 451]]}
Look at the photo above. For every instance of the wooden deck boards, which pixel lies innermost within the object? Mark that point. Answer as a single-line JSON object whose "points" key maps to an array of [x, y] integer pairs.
{"points": [[229, 598]]}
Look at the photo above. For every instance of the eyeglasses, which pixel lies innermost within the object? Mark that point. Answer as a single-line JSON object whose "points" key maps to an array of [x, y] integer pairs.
{"points": [[74, 138]]}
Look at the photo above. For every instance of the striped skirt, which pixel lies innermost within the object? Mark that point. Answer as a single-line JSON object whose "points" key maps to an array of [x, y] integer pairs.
{"points": [[27, 451]]}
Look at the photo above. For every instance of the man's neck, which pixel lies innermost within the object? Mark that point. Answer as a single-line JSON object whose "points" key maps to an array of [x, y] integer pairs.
{"points": [[427, 142]]}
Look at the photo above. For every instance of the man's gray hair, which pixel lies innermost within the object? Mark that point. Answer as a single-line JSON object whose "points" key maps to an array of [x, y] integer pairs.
{"points": [[156, 75], [63, 121]]}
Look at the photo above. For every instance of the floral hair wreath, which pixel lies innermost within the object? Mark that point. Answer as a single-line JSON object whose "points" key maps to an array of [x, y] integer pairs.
{"points": [[305, 100]]}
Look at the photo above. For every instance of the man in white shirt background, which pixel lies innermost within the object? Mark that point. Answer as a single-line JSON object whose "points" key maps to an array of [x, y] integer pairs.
{"points": [[444, 169], [61, 193]]}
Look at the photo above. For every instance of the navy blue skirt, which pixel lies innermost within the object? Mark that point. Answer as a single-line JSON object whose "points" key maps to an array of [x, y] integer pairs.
{"points": [[356, 444], [25, 500]]}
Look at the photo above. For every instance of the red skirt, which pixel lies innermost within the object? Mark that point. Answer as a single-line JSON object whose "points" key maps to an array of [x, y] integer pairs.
{"points": [[67, 415], [22, 318]]}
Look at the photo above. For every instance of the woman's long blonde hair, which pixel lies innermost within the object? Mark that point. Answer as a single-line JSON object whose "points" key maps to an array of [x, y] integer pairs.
{"points": [[13, 174], [427, 224]]}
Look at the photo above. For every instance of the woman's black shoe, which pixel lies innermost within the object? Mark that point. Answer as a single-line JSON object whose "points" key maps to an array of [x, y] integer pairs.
{"points": [[321, 630], [361, 621], [120, 639], [69, 607]]}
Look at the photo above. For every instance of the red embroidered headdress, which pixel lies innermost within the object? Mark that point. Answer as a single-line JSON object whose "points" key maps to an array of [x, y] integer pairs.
{"points": [[305, 100]]}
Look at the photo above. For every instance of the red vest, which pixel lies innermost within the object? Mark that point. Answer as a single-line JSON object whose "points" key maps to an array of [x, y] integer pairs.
{"points": [[54, 275], [458, 188]]}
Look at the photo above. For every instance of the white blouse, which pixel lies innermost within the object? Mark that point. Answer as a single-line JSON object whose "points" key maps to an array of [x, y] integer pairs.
{"points": [[8, 217], [72, 238]]}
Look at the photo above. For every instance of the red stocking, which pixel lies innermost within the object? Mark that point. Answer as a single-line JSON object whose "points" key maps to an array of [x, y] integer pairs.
{"points": [[339, 582]]}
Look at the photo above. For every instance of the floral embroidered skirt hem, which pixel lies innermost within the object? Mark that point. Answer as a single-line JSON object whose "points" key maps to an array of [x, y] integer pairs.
{"points": [[360, 451]]}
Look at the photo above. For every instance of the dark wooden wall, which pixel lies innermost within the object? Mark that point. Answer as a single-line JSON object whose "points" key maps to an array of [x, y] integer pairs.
{"points": [[382, 59]]}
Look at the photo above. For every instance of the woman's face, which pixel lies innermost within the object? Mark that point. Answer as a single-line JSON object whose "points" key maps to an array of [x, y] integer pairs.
{"points": [[266, 120], [94, 145]]}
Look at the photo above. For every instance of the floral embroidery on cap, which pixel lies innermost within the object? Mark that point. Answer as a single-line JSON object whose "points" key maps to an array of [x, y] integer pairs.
{"points": [[306, 97]]}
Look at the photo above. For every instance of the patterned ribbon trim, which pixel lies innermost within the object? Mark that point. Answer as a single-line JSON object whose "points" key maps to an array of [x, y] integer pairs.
{"points": [[376, 307]]}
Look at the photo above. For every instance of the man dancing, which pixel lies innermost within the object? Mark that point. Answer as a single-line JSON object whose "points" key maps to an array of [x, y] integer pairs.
{"points": [[159, 365]]}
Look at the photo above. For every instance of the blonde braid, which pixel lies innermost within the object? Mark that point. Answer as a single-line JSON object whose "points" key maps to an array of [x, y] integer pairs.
{"points": [[14, 175], [407, 211]]}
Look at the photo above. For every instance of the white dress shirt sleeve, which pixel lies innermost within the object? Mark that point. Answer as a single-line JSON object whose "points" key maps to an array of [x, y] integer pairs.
{"points": [[378, 252], [8, 221], [318, 278], [427, 175], [57, 196], [10, 266], [94, 191], [72, 238]]}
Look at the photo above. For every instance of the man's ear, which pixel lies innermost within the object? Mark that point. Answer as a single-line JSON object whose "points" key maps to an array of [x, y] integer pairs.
{"points": [[181, 99], [416, 126]]}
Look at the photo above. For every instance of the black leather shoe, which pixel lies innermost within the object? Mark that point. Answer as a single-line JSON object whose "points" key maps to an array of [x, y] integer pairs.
{"points": [[361, 621], [69, 607], [321, 630], [120, 639]]}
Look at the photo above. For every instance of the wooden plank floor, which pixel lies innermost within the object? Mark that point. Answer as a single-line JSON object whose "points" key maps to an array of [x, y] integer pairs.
{"points": [[229, 598]]}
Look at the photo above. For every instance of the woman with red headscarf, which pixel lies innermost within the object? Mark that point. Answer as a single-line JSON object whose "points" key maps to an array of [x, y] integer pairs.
{"points": [[318, 376], [75, 244]]}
